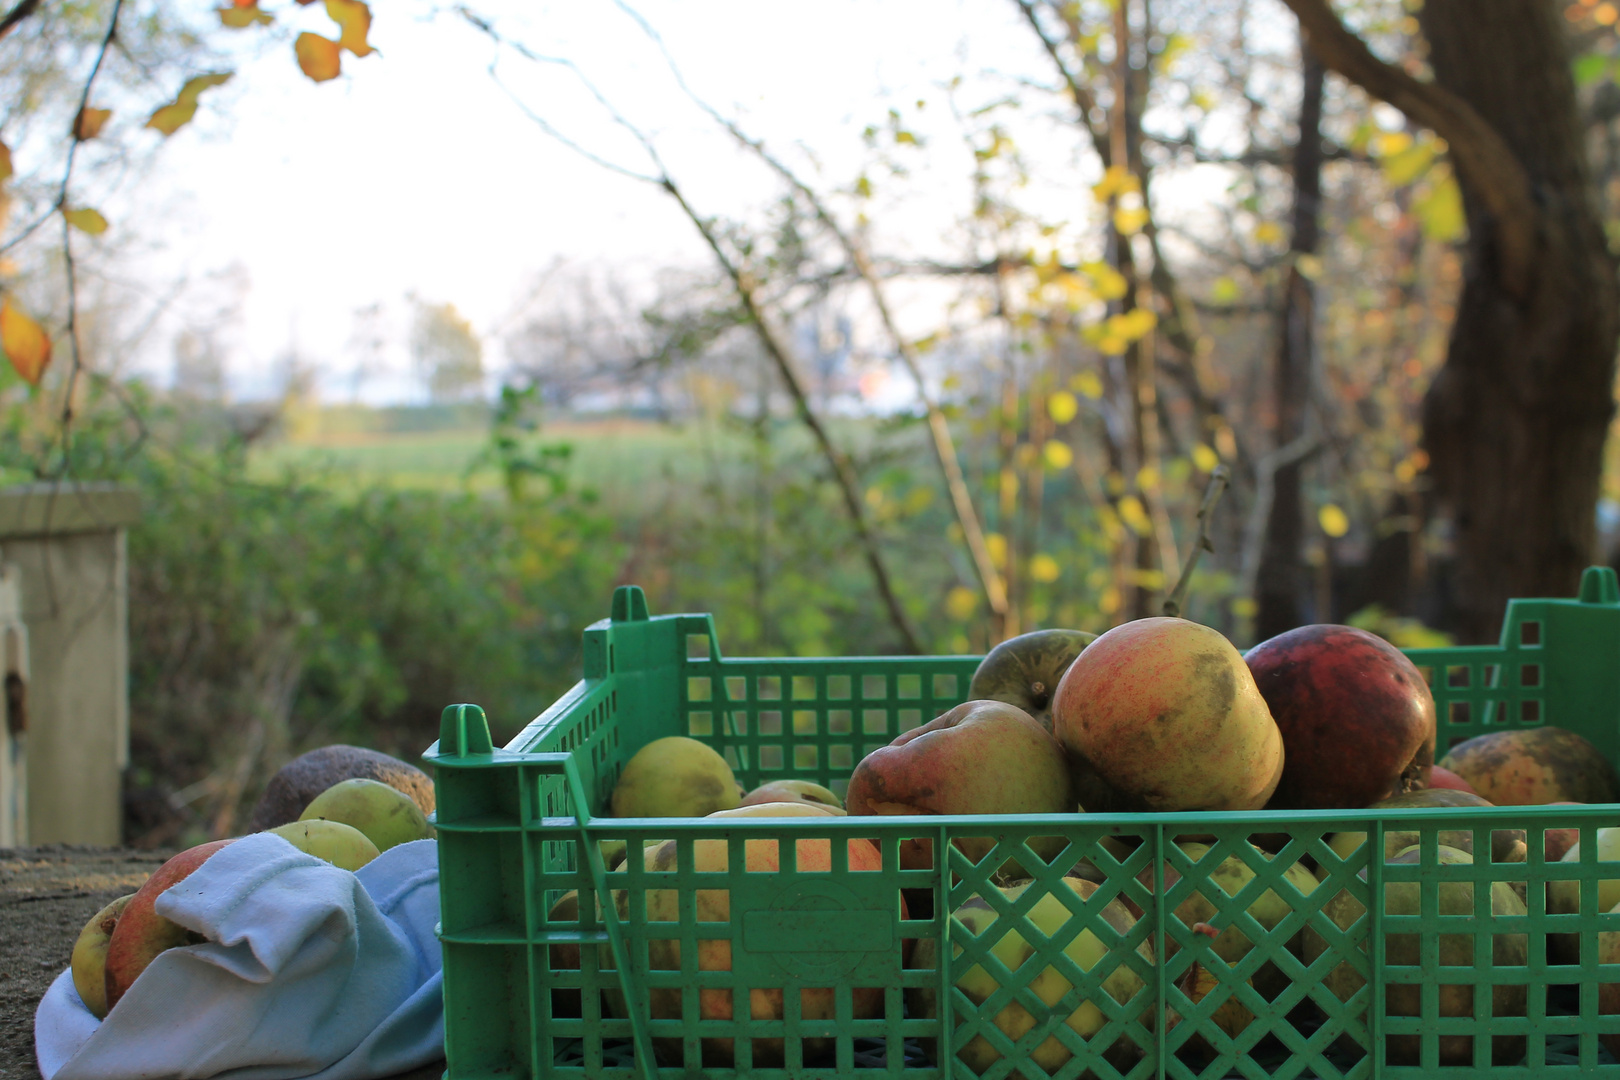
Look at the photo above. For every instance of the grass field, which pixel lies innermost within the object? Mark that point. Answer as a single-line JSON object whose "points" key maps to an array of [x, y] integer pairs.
{"points": [[618, 458]]}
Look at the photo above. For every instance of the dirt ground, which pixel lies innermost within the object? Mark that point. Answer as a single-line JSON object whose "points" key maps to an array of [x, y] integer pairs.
{"points": [[46, 895]]}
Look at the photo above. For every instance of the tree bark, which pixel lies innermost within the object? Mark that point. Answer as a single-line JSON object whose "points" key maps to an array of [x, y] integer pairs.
{"points": [[1281, 585], [1515, 421]]}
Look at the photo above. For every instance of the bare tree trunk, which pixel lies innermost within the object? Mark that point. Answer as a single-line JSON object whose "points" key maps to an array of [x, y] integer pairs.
{"points": [[1280, 583], [1515, 422]]}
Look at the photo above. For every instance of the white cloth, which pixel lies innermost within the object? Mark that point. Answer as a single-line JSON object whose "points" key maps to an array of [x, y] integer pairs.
{"points": [[308, 971]]}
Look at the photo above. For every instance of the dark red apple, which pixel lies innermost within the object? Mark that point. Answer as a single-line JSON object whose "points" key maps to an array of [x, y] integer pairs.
{"points": [[141, 932], [1357, 718]]}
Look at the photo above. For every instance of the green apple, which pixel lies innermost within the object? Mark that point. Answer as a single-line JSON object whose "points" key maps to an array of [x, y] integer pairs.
{"points": [[386, 815], [1025, 670]]}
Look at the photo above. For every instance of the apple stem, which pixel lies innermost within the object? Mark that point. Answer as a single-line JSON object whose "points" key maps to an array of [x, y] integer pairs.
{"points": [[1218, 479]]}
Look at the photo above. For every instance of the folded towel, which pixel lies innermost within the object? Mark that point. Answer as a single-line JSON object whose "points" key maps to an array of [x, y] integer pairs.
{"points": [[308, 971]]}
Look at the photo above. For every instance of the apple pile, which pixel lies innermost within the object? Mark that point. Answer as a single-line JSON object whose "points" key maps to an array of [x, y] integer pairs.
{"points": [[348, 824], [1155, 715]]}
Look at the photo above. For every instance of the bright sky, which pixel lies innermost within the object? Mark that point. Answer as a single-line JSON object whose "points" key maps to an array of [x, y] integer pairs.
{"points": [[414, 171]]}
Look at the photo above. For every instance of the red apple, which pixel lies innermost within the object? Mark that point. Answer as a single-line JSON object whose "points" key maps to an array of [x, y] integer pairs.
{"points": [[1557, 841], [1442, 777], [141, 932], [982, 757], [1357, 718]]}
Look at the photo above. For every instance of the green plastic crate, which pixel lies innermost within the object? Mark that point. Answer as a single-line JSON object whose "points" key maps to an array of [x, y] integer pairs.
{"points": [[517, 831]]}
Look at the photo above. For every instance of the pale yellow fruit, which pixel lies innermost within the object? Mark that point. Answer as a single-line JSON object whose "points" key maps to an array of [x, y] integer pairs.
{"points": [[675, 777], [89, 963], [385, 814], [344, 846]]}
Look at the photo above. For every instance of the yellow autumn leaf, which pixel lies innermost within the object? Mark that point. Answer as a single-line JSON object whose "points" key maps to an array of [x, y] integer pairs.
{"points": [[240, 18], [1134, 516], [1244, 607], [1147, 478], [917, 500], [1057, 454], [5, 163], [1108, 601], [1390, 143], [1205, 458], [1309, 267], [1115, 181], [25, 343], [1334, 521], [178, 113], [354, 18], [1062, 407], [1087, 384], [1440, 211], [1112, 345], [87, 125], [1108, 283], [1044, 568], [1129, 220], [1268, 232], [996, 545], [961, 602], [319, 58], [1133, 324], [1224, 290], [86, 220]]}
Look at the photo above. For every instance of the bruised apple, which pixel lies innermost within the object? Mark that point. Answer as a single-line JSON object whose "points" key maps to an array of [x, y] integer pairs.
{"points": [[982, 757], [1535, 766], [1161, 714], [1356, 716], [141, 933]]}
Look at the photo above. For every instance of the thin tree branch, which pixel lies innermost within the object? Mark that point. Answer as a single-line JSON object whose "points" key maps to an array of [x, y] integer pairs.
{"points": [[17, 14], [1485, 162], [967, 517], [780, 352]]}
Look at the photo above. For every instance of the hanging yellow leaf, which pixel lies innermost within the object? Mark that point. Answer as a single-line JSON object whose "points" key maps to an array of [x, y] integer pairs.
{"points": [[178, 113], [1268, 232], [1087, 384], [1112, 345], [1205, 458], [917, 500], [1108, 283], [1133, 324], [319, 58], [1147, 478], [354, 18], [87, 125], [5, 163], [1410, 163], [1309, 267], [1109, 600], [1129, 220], [1115, 181], [1389, 143], [1333, 520], [25, 343], [1440, 211], [242, 16], [961, 602], [1224, 291], [86, 220], [1062, 407], [1057, 454], [1244, 607], [1134, 516], [1044, 568]]}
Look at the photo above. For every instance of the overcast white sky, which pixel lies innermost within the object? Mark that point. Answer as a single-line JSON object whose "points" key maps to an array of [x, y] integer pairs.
{"points": [[415, 172]]}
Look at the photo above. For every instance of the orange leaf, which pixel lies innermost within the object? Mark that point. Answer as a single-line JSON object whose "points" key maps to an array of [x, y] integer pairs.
{"points": [[178, 113], [5, 163], [86, 220], [319, 58], [354, 18], [87, 125], [241, 16], [24, 342]]}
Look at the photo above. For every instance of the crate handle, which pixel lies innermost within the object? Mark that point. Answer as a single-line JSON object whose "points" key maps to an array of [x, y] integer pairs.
{"points": [[629, 604], [464, 731], [1599, 586]]}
